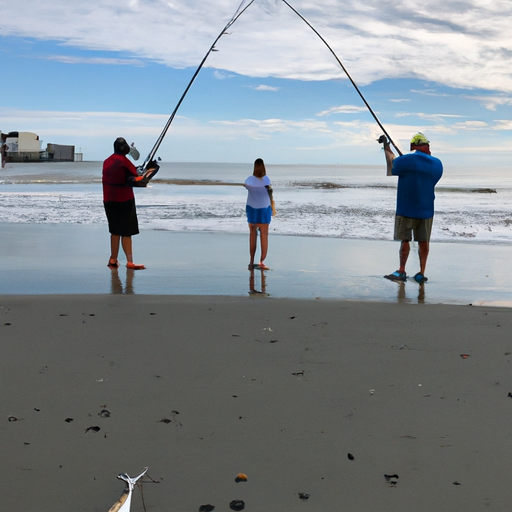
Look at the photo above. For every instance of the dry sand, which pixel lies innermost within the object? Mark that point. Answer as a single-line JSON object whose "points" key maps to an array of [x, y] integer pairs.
{"points": [[200, 389]]}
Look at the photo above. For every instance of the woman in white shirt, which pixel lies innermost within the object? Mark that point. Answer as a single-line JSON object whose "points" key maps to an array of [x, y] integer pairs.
{"points": [[259, 211]]}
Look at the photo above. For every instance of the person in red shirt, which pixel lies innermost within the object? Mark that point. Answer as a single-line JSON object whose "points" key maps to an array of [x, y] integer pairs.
{"points": [[119, 178]]}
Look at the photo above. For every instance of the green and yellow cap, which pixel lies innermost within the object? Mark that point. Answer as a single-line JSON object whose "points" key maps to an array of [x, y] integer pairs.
{"points": [[419, 140]]}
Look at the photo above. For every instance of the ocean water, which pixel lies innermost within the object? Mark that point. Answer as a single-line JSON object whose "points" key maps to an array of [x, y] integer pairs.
{"points": [[336, 201]]}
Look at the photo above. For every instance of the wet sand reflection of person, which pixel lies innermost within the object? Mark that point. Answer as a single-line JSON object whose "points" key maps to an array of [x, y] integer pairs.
{"points": [[402, 297], [252, 284], [117, 285]]}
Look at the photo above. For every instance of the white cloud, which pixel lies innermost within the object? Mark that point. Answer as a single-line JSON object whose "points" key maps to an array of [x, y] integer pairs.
{"points": [[429, 116], [437, 117], [69, 59], [471, 126], [264, 128], [503, 124], [430, 92], [100, 120], [266, 88], [459, 44], [492, 102], [343, 109], [220, 75]]}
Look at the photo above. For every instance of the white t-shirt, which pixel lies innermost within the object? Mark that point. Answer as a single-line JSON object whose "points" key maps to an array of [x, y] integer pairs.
{"points": [[257, 196]]}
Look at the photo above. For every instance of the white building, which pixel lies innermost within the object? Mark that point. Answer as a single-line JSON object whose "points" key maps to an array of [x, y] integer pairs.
{"points": [[23, 142]]}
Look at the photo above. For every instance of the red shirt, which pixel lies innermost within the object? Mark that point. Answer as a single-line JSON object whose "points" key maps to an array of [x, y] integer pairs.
{"points": [[116, 170]]}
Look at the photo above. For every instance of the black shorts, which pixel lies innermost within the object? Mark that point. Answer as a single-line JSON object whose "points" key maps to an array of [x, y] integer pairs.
{"points": [[122, 218]]}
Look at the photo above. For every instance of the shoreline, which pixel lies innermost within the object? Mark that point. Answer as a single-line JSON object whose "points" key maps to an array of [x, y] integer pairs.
{"points": [[71, 259]]}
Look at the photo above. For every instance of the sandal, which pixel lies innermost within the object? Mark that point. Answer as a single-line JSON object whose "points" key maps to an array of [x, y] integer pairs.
{"points": [[133, 266], [397, 276], [113, 263]]}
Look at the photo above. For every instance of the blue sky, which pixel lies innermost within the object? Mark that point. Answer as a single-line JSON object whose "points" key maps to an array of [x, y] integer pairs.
{"points": [[85, 73]]}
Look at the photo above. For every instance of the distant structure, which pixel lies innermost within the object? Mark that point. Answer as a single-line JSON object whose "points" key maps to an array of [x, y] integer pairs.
{"points": [[26, 147]]}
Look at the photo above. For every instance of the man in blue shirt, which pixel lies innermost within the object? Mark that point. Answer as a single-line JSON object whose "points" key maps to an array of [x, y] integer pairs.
{"points": [[418, 174]]}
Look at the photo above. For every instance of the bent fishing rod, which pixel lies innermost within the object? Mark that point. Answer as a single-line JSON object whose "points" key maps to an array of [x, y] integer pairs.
{"points": [[346, 72], [152, 153]]}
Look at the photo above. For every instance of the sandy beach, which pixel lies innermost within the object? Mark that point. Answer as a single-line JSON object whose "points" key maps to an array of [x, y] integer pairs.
{"points": [[321, 397], [334, 384]]}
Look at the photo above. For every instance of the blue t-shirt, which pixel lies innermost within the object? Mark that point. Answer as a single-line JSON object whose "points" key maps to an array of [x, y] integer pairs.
{"points": [[417, 174]]}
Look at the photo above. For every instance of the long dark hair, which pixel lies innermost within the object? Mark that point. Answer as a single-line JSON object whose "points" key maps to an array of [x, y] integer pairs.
{"points": [[259, 168]]}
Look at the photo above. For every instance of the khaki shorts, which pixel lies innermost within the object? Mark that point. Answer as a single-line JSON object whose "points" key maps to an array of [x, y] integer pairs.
{"points": [[405, 227]]}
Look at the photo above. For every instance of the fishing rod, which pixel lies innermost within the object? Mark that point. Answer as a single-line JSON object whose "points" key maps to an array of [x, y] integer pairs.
{"points": [[152, 153], [347, 73]]}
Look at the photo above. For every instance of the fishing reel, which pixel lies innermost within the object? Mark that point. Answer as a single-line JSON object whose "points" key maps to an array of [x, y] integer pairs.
{"points": [[151, 165]]}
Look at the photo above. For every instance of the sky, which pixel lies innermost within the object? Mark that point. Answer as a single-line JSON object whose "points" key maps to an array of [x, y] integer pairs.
{"points": [[85, 72]]}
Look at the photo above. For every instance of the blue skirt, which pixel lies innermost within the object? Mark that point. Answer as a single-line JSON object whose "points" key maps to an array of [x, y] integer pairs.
{"points": [[258, 215]]}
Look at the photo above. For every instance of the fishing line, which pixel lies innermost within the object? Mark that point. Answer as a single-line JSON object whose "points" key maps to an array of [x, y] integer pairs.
{"points": [[152, 153], [237, 14], [346, 72]]}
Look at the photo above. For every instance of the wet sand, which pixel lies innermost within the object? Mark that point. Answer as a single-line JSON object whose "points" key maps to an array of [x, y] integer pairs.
{"points": [[320, 397], [69, 259]]}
